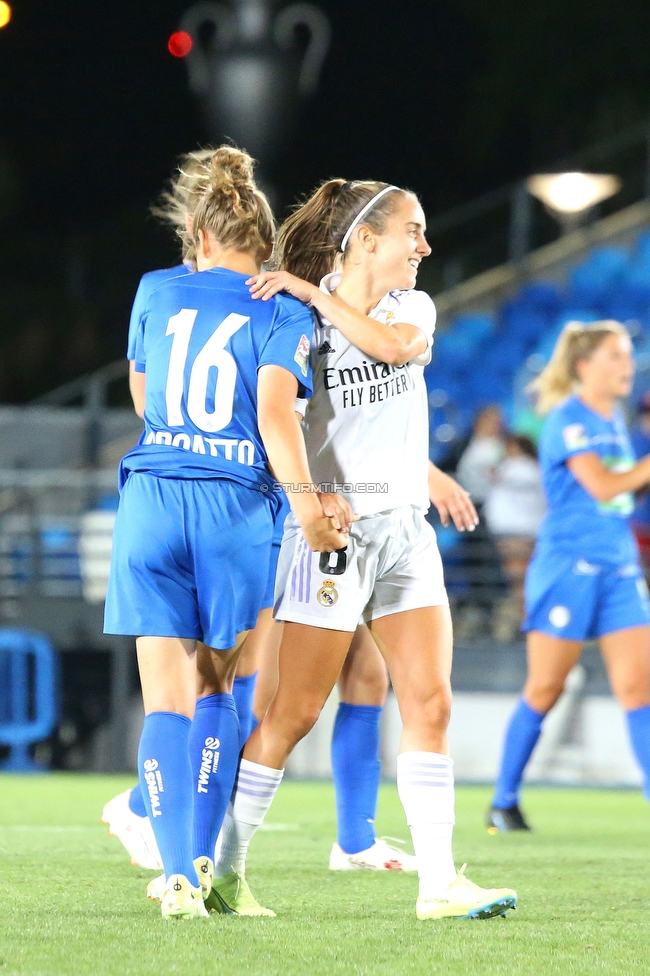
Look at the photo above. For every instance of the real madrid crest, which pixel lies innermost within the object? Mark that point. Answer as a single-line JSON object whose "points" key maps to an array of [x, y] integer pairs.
{"points": [[327, 595]]}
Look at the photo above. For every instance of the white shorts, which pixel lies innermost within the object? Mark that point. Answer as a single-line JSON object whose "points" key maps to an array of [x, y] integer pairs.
{"points": [[393, 564]]}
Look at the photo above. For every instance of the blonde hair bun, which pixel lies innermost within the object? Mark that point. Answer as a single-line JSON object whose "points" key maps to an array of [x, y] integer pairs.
{"points": [[231, 206], [231, 168]]}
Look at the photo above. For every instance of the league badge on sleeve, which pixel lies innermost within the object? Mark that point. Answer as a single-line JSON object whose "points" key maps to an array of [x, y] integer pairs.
{"points": [[302, 354], [575, 437]]}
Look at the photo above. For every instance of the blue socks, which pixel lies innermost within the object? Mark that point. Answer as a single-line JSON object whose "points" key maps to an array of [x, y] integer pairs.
{"points": [[638, 723], [214, 751], [136, 802], [521, 738], [166, 783], [243, 691], [356, 770], [523, 733]]}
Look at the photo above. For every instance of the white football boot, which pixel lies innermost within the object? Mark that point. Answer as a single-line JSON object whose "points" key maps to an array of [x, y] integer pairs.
{"points": [[380, 857], [134, 832]]}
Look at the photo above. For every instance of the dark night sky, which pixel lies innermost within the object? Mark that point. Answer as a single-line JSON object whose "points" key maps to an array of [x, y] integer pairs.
{"points": [[450, 98], [95, 109]]}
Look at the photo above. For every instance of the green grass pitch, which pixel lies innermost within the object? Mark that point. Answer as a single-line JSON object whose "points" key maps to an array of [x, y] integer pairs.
{"points": [[73, 906]]}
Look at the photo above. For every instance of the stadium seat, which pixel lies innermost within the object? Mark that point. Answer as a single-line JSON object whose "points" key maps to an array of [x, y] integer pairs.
{"points": [[634, 283], [642, 246], [593, 282], [524, 325], [542, 297]]}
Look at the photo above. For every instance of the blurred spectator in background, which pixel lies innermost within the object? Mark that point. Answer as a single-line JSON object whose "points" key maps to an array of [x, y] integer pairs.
{"points": [[483, 453], [513, 511], [640, 437], [480, 558]]}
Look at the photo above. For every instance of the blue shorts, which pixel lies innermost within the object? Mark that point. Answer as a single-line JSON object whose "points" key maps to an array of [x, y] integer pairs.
{"points": [[190, 559], [278, 532], [577, 600], [269, 593]]}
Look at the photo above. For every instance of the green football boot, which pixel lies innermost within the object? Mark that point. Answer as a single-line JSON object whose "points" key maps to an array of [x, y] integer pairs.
{"points": [[230, 895]]}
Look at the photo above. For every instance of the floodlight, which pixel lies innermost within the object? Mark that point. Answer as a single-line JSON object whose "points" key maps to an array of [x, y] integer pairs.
{"points": [[573, 193], [5, 13]]}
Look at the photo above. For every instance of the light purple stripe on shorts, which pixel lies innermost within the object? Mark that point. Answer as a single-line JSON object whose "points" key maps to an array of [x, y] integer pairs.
{"points": [[302, 574], [308, 580], [294, 574]]}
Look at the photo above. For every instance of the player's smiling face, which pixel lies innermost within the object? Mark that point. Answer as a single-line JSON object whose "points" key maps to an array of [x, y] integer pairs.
{"points": [[609, 371], [402, 247]]}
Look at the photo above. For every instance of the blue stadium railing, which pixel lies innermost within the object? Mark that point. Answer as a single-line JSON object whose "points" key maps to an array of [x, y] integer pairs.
{"points": [[29, 697]]}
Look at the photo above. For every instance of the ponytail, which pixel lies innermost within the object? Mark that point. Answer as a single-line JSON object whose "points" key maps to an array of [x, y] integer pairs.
{"points": [[310, 240], [559, 378], [305, 245]]}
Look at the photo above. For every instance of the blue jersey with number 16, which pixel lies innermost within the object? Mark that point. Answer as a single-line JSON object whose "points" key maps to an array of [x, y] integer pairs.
{"points": [[200, 343]]}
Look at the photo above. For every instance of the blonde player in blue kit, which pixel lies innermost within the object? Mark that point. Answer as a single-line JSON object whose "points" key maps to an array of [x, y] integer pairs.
{"points": [[194, 527], [584, 581], [175, 208], [125, 814]]}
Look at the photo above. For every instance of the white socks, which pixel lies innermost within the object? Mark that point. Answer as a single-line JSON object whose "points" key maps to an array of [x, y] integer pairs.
{"points": [[253, 795], [425, 783]]}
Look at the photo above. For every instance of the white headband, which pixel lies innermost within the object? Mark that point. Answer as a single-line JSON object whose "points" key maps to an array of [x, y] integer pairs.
{"points": [[357, 220]]}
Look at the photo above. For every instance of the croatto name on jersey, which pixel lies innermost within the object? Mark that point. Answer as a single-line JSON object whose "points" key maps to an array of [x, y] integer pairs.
{"points": [[243, 452], [367, 383]]}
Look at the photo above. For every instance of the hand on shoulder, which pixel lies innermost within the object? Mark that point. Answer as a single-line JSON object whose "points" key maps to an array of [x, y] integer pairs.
{"points": [[268, 283]]}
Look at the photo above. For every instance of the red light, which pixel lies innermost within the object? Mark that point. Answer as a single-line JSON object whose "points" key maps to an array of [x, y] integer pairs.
{"points": [[180, 44]]}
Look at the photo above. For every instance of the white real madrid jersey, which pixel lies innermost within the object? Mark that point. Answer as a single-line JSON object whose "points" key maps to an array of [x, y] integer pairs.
{"points": [[366, 427]]}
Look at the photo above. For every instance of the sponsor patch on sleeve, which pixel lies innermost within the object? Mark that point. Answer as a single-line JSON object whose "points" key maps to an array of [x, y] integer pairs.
{"points": [[575, 437], [302, 354]]}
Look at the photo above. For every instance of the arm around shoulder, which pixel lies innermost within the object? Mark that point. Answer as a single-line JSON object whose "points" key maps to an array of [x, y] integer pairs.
{"points": [[395, 345]]}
